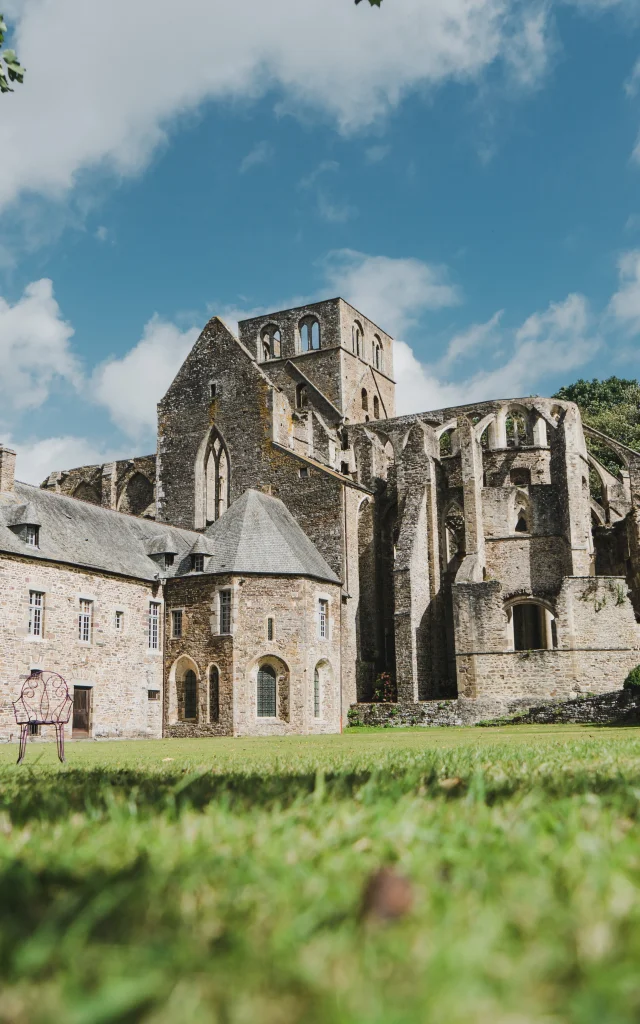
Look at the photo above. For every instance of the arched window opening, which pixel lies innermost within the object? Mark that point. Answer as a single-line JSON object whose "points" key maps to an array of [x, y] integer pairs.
{"points": [[266, 694], [345, 441], [309, 329], [217, 478], [214, 694], [316, 693], [516, 428], [270, 342], [190, 696], [454, 533], [521, 525], [446, 448], [365, 399], [376, 407], [301, 396], [377, 352], [533, 627], [357, 337]]}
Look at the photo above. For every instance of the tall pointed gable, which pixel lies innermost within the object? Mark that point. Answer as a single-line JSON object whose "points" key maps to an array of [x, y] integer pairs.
{"points": [[258, 534]]}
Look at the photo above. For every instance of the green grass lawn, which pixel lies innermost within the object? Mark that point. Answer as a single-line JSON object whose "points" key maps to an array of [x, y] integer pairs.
{"points": [[222, 880]]}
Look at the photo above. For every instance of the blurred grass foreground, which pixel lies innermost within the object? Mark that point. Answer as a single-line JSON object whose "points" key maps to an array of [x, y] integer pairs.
{"points": [[435, 876]]}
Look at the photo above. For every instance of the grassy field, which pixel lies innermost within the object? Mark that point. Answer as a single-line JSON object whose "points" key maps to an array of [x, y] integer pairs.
{"points": [[224, 880]]}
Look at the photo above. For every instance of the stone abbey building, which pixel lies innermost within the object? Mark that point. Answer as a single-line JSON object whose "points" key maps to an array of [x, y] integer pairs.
{"points": [[292, 539]]}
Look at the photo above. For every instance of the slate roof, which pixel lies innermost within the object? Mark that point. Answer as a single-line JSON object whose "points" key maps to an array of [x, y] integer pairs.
{"points": [[83, 534], [256, 535]]}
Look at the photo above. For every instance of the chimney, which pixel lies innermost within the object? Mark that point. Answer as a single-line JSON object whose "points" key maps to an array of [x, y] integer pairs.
{"points": [[7, 468]]}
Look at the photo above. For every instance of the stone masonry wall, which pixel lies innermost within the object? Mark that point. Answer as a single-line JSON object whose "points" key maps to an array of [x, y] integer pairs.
{"points": [[294, 652], [118, 666]]}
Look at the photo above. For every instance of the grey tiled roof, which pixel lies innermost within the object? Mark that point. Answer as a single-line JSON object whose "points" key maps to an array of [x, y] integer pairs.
{"points": [[83, 534], [258, 534]]}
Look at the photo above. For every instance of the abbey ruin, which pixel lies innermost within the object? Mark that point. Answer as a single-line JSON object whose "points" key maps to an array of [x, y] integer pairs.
{"points": [[292, 539]]}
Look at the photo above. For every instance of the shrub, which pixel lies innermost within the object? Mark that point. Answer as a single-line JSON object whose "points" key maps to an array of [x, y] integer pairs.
{"points": [[632, 682], [385, 690]]}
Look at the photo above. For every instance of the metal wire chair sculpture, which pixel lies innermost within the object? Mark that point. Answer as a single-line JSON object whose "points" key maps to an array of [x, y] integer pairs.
{"points": [[44, 700]]}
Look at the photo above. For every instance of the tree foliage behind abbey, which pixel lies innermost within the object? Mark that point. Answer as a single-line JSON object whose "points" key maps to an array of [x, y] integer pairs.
{"points": [[611, 406]]}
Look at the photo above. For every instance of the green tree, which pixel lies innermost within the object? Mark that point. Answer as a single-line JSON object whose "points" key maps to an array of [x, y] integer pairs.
{"points": [[611, 406], [374, 3], [10, 70]]}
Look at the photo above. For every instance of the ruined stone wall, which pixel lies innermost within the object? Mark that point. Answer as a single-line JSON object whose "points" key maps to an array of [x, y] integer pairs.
{"points": [[597, 636], [295, 651], [117, 665], [127, 485]]}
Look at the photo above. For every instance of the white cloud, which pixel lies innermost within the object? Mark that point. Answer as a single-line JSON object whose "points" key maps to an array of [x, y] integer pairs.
{"points": [[467, 342], [132, 77], [102, 233], [624, 306], [34, 348], [36, 459], [556, 341], [309, 180], [261, 153], [131, 386], [333, 210], [374, 154], [391, 292], [632, 84]]}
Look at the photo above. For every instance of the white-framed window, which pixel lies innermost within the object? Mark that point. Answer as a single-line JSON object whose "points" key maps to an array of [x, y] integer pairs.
{"points": [[323, 619], [197, 563], [154, 625], [36, 613], [118, 620], [176, 623], [85, 620], [33, 536], [153, 694], [225, 599]]}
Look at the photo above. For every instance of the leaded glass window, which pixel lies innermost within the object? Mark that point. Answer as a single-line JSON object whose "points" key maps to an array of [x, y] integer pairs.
{"points": [[266, 692], [214, 694], [190, 695]]}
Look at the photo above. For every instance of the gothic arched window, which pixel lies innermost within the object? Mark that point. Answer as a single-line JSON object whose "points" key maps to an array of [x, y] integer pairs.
{"points": [[309, 334], [217, 478]]}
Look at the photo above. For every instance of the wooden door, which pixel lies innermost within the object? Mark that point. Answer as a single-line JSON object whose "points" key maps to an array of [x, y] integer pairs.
{"points": [[81, 710]]}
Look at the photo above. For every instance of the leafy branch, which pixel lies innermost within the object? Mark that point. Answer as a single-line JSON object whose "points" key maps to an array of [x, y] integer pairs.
{"points": [[10, 69], [374, 3]]}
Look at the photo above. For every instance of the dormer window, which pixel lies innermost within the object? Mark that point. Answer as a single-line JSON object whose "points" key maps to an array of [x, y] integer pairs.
{"points": [[32, 536], [169, 559], [197, 563]]}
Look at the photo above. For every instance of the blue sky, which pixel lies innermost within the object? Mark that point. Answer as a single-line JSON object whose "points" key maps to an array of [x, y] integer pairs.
{"points": [[466, 172]]}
